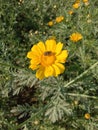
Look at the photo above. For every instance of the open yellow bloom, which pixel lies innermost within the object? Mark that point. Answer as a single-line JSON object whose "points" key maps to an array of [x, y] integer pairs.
{"points": [[76, 5], [50, 23], [87, 116], [85, 1], [75, 37], [47, 58], [70, 12], [59, 19]]}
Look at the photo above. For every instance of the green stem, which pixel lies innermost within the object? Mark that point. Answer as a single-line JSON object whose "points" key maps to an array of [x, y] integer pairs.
{"points": [[81, 75], [81, 95]]}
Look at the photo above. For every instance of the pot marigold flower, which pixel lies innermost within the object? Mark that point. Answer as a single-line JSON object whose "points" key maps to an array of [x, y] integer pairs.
{"points": [[59, 19], [76, 5], [50, 23], [75, 37], [85, 1], [47, 58], [70, 12], [87, 116]]}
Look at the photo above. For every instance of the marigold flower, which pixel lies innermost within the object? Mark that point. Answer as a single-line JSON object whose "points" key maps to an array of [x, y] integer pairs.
{"points": [[85, 1], [76, 5], [70, 12], [87, 116], [47, 58], [75, 37], [59, 19], [50, 23], [36, 122]]}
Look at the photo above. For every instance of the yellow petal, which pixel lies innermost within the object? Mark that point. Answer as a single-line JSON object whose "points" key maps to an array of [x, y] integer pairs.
{"points": [[61, 67], [36, 50], [49, 71], [58, 48], [40, 73], [50, 45], [62, 57], [33, 67], [41, 46], [56, 70], [35, 61], [30, 55], [33, 49]]}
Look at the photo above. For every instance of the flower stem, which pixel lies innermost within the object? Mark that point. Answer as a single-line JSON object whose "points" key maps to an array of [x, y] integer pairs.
{"points": [[81, 95], [81, 75]]}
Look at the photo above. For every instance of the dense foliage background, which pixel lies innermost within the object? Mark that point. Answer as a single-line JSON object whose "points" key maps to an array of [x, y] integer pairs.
{"points": [[60, 103]]}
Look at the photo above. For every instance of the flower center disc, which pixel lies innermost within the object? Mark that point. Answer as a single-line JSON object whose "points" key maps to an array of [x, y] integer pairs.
{"points": [[47, 58]]}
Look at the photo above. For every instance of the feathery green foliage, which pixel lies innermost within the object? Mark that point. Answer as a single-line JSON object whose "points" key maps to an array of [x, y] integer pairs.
{"points": [[61, 103]]}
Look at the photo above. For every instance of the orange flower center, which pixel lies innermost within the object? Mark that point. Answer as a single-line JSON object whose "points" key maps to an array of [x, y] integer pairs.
{"points": [[47, 58]]}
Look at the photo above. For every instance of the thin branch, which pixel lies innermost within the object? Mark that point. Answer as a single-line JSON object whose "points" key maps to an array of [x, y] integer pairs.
{"points": [[81, 95], [81, 75]]}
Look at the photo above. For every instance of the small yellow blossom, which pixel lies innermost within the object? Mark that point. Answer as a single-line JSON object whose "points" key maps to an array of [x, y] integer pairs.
{"points": [[50, 23], [36, 32], [47, 59], [76, 102], [87, 116], [59, 19], [70, 12], [85, 1], [89, 21], [54, 6], [88, 16], [76, 5], [75, 37], [30, 33]]}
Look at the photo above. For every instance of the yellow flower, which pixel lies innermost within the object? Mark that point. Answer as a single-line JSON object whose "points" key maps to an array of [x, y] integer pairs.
{"points": [[87, 116], [70, 12], [76, 5], [50, 23], [36, 122], [59, 19], [47, 58], [75, 37], [85, 1]]}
